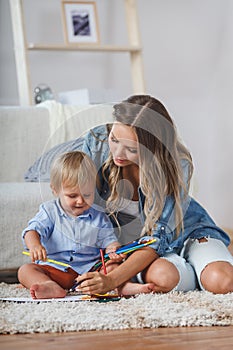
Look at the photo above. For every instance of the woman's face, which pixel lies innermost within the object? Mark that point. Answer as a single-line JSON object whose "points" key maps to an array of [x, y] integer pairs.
{"points": [[123, 145]]}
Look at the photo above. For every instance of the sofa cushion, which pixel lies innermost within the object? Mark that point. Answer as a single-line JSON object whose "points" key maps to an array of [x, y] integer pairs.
{"points": [[40, 170], [28, 132], [23, 133], [66, 124]]}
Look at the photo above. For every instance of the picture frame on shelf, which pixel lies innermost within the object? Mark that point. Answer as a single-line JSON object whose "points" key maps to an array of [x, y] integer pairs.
{"points": [[80, 22]]}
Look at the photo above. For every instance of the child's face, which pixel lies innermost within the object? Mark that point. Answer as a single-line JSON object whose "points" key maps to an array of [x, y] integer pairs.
{"points": [[76, 200]]}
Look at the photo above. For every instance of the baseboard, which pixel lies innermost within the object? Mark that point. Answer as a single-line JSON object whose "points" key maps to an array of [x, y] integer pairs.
{"points": [[9, 276]]}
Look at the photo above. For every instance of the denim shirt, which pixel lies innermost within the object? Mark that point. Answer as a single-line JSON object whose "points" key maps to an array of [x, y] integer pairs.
{"points": [[197, 222]]}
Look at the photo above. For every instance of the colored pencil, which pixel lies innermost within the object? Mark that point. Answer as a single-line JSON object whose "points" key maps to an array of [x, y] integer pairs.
{"points": [[51, 260], [72, 289], [125, 249], [129, 248], [132, 246], [103, 261]]}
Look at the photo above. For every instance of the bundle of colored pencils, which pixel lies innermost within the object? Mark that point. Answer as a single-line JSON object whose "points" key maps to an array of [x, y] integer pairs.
{"points": [[125, 249]]}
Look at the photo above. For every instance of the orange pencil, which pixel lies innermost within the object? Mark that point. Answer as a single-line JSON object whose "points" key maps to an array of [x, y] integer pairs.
{"points": [[103, 262]]}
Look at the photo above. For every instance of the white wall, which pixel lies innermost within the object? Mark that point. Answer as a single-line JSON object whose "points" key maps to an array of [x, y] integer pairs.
{"points": [[188, 55]]}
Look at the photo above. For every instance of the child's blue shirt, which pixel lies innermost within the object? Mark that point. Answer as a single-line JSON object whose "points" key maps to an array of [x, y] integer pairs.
{"points": [[72, 240]]}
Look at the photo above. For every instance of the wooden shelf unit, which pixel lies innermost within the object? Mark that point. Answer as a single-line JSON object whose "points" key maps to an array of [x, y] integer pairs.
{"points": [[104, 48], [22, 48]]}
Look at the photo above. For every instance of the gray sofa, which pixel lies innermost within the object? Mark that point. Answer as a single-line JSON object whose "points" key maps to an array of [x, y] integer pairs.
{"points": [[26, 133]]}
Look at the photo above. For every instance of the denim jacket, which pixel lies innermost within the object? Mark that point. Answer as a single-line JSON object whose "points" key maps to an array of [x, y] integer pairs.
{"points": [[197, 222]]}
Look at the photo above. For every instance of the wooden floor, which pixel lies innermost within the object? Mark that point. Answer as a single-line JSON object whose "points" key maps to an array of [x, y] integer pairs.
{"points": [[193, 338], [182, 338]]}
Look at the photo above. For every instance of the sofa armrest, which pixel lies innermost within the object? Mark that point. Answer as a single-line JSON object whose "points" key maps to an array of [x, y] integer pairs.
{"points": [[24, 132], [18, 204]]}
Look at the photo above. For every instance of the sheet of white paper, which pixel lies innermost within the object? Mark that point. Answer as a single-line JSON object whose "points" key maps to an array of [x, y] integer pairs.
{"points": [[82, 297]]}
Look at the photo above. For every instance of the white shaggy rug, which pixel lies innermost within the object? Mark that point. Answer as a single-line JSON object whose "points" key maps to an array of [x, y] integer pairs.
{"points": [[144, 311]]}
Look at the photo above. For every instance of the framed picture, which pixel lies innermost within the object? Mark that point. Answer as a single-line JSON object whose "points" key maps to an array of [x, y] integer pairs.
{"points": [[80, 22]]}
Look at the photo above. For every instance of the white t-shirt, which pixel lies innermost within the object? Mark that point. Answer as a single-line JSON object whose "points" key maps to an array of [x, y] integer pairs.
{"points": [[129, 220]]}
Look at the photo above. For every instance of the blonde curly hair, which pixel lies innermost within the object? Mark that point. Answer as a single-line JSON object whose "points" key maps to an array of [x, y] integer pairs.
{"points": [[72, 169]]}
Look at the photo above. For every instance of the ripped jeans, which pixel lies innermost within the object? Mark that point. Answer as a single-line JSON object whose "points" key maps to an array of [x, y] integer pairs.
{"points": [[194, 257]]}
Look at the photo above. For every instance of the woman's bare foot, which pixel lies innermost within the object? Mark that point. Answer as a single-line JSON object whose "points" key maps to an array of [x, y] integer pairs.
{"points": [[47, 290], [131, 288]]}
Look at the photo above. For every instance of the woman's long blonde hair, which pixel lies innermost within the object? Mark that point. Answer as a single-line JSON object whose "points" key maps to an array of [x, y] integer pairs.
{"points": [[160, 154]]}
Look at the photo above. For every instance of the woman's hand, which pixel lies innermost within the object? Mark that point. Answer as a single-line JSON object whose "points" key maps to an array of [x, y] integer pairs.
{"points": [[98, 283], [95, 283]]}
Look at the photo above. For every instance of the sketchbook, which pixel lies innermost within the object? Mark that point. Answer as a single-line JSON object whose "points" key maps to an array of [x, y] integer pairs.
{"points": [[66, 298], [79, 297]]}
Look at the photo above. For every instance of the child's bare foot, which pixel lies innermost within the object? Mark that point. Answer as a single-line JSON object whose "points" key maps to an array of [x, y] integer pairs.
{"points": [[130, 288], [47, 290]]}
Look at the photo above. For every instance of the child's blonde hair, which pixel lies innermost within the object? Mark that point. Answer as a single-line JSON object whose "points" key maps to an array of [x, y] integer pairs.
{"points": [[72, 169]]}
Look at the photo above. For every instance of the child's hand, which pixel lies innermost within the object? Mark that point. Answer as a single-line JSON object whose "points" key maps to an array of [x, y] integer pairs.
{"points": [[116, 257], [36, 250], [38, 253], [111, 249]]}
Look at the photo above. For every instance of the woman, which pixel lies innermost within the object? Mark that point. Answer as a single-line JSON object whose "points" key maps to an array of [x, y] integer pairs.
{"points": [[146, 173]]}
